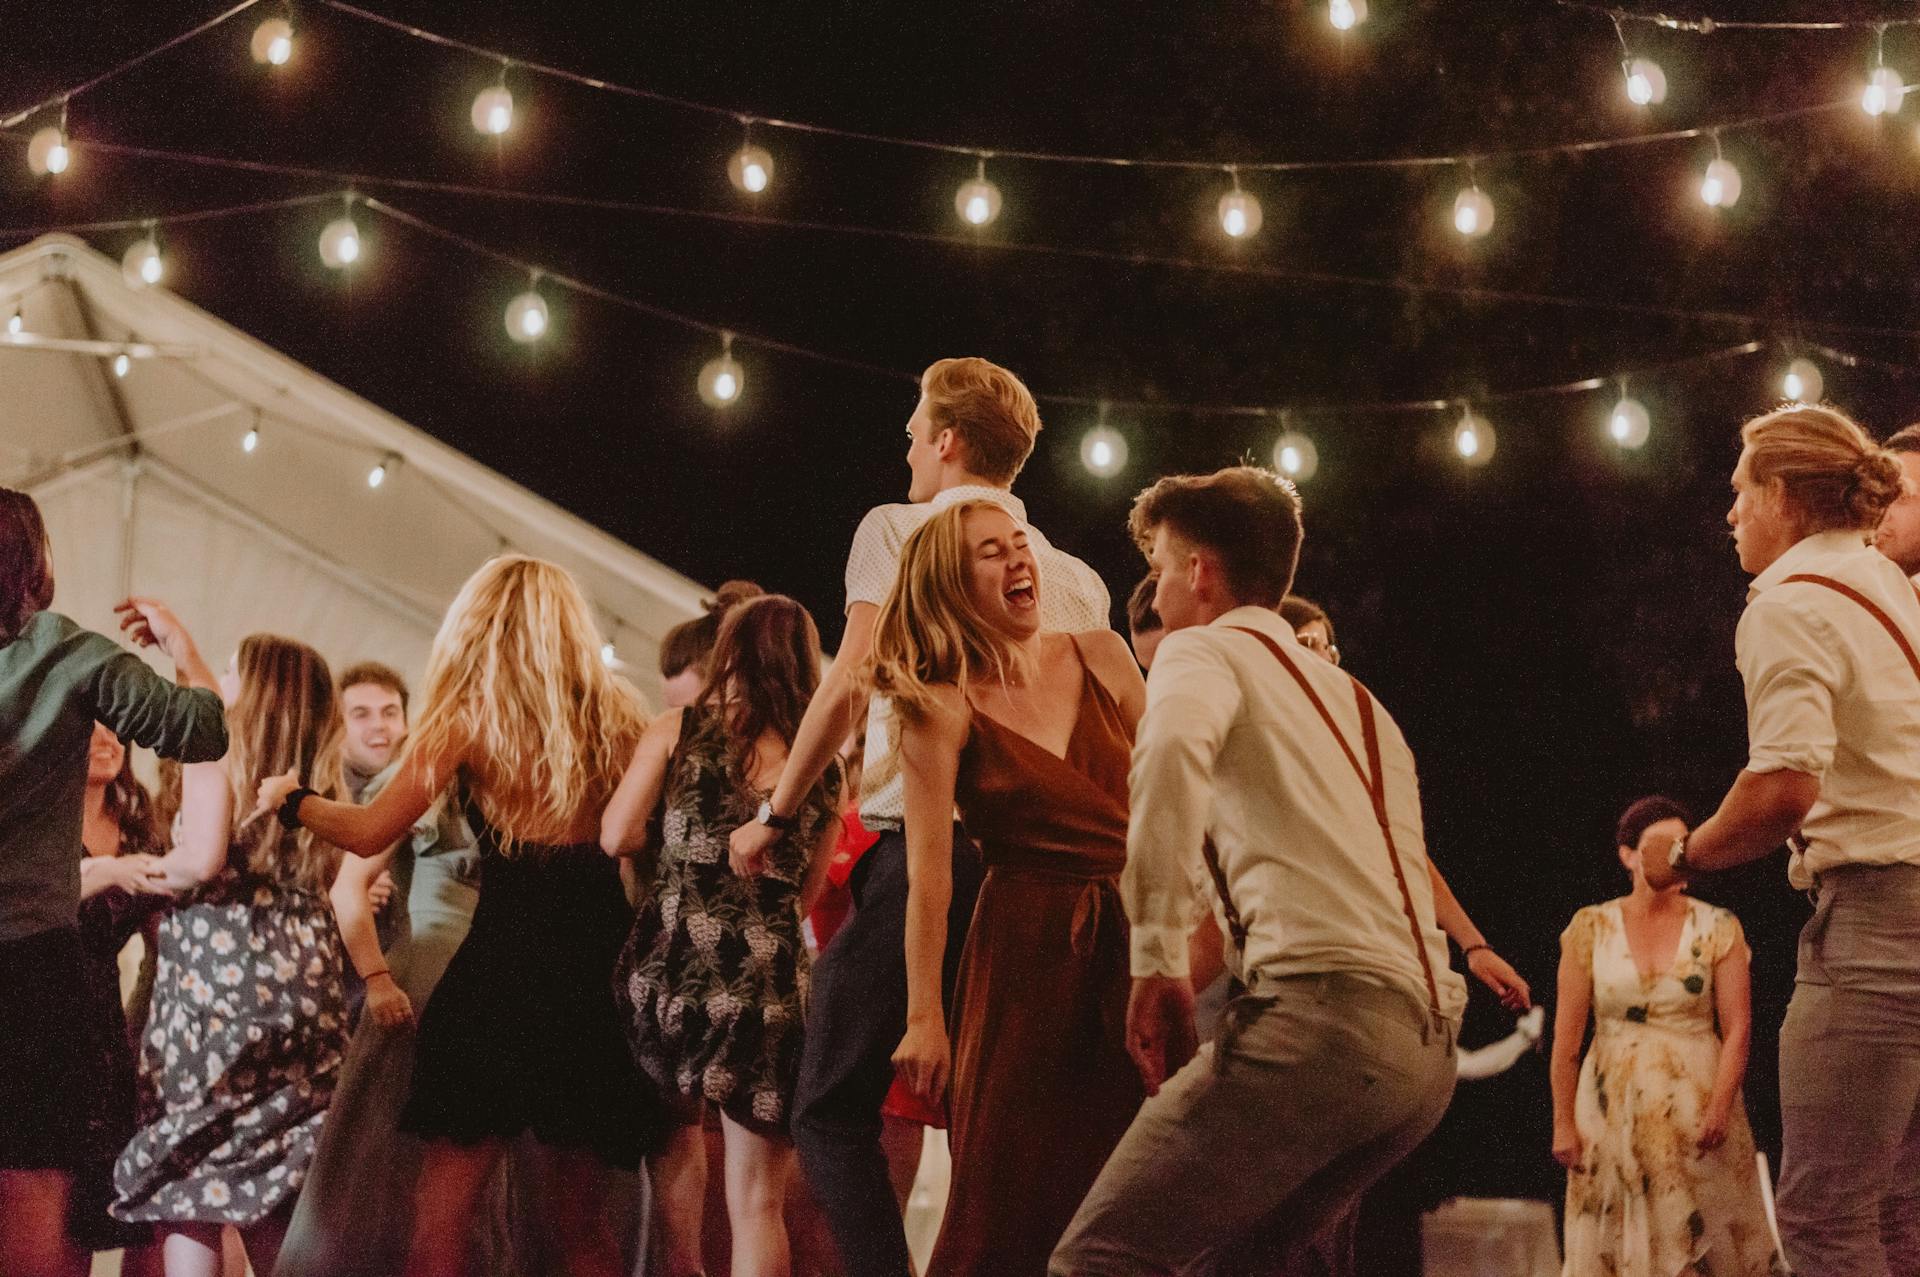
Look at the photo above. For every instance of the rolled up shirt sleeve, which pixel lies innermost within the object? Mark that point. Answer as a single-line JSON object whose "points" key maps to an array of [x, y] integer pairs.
{"points": [[1193, 698], [187, 723], [1792, 664]]}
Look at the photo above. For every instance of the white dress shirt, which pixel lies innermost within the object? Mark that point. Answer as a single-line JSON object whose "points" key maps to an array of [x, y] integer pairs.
{"points": [[1073, 599], [1232, 749], [1830, 694]]}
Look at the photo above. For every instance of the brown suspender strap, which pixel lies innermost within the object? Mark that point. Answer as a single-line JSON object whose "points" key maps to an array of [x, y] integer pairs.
{"points": [[1373, 780]]}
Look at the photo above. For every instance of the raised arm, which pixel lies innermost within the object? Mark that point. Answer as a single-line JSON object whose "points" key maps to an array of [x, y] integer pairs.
{"points": [[623, 826], [387, 1002], [368, 830], [1572, 1003], [184, 719], [930, 761], [1733, 1007], [836, 707]]}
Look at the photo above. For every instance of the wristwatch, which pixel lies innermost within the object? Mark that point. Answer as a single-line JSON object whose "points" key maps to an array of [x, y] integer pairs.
{"points": [[1677, 857], [772, 821]]}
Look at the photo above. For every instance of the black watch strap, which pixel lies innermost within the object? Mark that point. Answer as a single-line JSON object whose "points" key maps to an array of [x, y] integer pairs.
{"points": [[289, 812]]}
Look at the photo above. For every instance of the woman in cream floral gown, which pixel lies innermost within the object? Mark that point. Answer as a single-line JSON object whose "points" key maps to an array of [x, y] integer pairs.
{"points": [[1661, 1178]]}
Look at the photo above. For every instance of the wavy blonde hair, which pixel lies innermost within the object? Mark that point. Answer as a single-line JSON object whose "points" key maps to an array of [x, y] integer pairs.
{"points": [[515, 683], [285, 718], [929, 632]]}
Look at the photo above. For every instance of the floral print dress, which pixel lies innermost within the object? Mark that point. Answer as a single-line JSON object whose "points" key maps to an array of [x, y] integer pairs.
{"points": [[240, 1054], [1648, 1202]]}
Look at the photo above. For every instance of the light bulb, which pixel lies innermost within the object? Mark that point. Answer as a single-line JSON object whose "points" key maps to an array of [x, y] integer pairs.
{"points": [[1884, 94], [1628, 424], [721, 381], [1803, 382], [1240, 214], [527, 317], [493, 111], [607, 655], [977, 201], [1473, 439], [48, 151], [340, 243], [1720, 185], [377, 475], [1472, 213], [250, 441], [1345, 15], [1295, 456], [122, 365], [750, 169], [14, 324], [1646, 82], [1103, 451], [140, 265], [273, 42]]}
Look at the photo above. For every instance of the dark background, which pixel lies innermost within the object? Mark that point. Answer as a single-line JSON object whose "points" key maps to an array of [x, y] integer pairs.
{"points": [[1554, 632]]}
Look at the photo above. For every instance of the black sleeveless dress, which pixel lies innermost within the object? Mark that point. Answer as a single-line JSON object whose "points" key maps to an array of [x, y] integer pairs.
{"points": [[522, 1033]]}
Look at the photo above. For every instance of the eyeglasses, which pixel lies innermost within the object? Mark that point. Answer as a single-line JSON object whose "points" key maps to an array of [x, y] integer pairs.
{"points": [[1320, 647]]}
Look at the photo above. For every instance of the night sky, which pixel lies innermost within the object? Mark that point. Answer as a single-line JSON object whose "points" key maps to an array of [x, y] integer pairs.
{"points": [[1554, 632]]}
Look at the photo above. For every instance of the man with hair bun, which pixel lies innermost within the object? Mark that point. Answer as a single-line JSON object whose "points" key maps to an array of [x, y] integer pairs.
{"points": [[1829, 651]]}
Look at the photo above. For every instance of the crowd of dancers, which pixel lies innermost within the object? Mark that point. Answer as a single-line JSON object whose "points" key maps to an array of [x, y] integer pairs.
{"points": [[974, 874]]}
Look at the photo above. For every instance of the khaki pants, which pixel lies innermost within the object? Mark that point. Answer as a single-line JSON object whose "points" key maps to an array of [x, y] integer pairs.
{"points": [[1849, 1201], [1316, 1087]]}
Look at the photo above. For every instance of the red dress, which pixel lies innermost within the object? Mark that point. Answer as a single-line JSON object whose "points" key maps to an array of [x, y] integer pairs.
{"points": [[1043, 1088]]}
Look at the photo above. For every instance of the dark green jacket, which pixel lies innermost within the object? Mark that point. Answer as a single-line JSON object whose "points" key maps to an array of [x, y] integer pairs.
{"points": [[56, 680]]}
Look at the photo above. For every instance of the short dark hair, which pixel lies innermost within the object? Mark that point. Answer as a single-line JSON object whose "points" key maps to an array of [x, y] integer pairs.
{"points": [[1643, 812], [1141, 618], [374, 674], [1247, 515], [690, 643], [1299, 612], [1906, 439], [26, 584]]}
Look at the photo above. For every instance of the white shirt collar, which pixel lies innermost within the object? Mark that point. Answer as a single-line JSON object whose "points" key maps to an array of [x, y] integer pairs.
{"points": [[980, 492], [1264, 619], [1805, 553]]}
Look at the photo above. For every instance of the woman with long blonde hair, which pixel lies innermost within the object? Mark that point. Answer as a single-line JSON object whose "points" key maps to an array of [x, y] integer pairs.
{"points": [[248, 1021], [1029, 735], [522, 1034]]}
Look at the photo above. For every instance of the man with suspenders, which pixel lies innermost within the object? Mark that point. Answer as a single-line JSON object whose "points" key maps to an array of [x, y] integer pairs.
{"points": [[1297, 791], [1826, 649]]}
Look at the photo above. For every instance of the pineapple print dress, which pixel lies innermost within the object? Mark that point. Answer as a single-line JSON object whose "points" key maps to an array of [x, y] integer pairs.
{"points": [[1648, 1202]]}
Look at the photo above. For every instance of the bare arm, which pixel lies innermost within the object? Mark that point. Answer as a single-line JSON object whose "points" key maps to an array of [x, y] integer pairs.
{"points": [[832, 713], [1111, 661], [1487, 966], [930, 759], [370, 830], [623, 826], [1574, 1001], [206, 827], [1761, 811], [354, 912], [1733, 1004]]}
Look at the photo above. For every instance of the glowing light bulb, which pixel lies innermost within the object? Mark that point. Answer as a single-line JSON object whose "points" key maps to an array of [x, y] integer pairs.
{"points": [[721, 381], [1473, 439], [1103, 451], [750, 169], [1472, 213], [140, 265], [1646, 82], [48, 152], [527, 317], [493, 111], [377, 475], [1803, 382], [1720, 185], [122, 365], [250, 441], [1295, 456], [607, 655], [340, 243], [14, 324], [1240, 214], [1884, 94], [1628, 424], [273, 42], [978, 200], [1345, 15]]}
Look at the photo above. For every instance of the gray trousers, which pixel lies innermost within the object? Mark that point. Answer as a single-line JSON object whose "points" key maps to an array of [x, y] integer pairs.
{"points": [[1316, 1086], [1849, 1201]]}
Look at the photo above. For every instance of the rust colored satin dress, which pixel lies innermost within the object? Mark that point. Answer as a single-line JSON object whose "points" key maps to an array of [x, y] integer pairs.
{"points": [[1043, 1088]]}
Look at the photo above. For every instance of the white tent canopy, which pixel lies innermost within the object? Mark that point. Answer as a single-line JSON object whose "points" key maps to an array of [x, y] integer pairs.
{"points": [[147, 489]]}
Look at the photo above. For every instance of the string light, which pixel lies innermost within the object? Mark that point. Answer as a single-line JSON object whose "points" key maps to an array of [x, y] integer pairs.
{"points": [[1885, 92], [48, 151], [1103, 450], [15, 324], [1473, 438], [340, 240], [493, 107], [1646, 82], [140, 265], [751, 168], [383, 470], [526, 316], [1295, 456], [1628, 424], [273, 42], [1803, 382], [122, 364], [1472, 211], [722, 379], [1720, 184], [1345, 15], [250, 441], [977, 201], [1240, 214], [608, 657]]}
